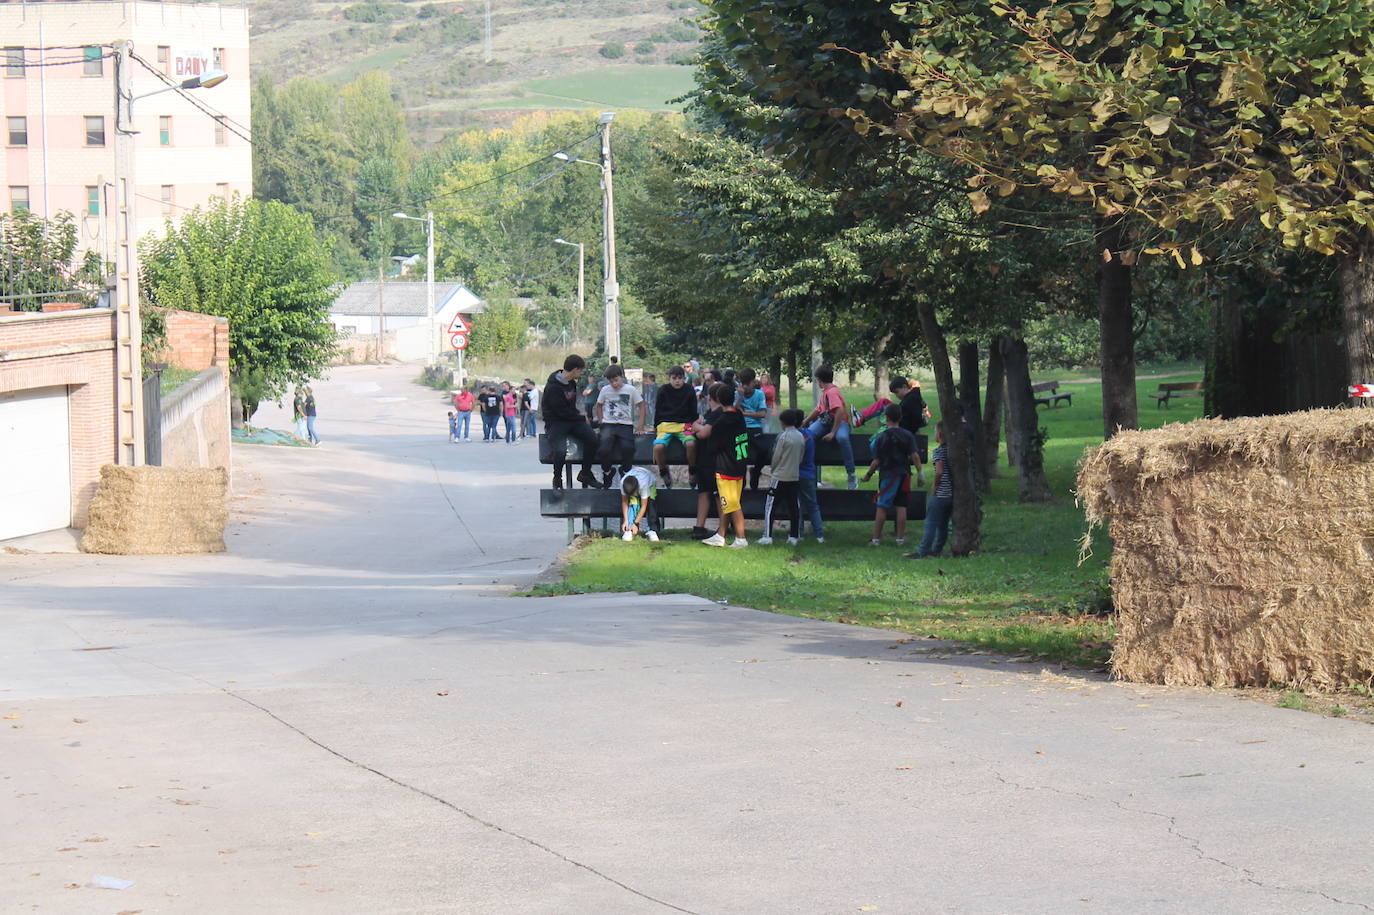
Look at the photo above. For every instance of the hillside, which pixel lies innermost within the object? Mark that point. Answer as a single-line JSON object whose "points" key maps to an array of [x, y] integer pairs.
{"points": [[544, 53]]}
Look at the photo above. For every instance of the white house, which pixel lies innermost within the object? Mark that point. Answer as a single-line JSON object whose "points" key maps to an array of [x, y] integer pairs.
{"points": [[399, 308]]}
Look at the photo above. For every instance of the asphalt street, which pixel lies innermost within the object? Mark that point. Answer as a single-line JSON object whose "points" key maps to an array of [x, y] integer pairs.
{"points": [[349, 712]]}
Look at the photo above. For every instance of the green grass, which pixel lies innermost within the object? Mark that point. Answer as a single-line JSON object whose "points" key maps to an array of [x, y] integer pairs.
{"points": [[382, 60], [646, 87], [1025, 592], [174, 377]]}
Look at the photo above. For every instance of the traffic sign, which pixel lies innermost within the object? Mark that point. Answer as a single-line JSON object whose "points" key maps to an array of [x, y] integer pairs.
{"points": [[1361, 390], [458, 341], [459, 326]]}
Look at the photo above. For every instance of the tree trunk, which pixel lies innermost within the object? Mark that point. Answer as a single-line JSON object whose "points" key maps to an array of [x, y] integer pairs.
{"points": [[853, 377], [992, 409], [968, 398], [1012, 448], [1118, 337], [966, 535], [235, 409], [1030, 459], [1357, 313], [775, 372], [881, 368], [792, 375]]}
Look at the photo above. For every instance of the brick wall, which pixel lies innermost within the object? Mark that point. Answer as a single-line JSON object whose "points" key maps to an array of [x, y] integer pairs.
{"points": [[75, 349], [196, 341]]}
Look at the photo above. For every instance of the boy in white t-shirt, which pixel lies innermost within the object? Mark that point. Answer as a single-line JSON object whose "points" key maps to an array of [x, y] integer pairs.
{"points": [[637, 492], [620, 410]]}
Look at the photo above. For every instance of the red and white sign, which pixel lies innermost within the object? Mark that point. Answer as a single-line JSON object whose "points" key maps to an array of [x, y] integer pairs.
{"points": [[458, 341], [459, 326], [1361, 390], [188, 62]]}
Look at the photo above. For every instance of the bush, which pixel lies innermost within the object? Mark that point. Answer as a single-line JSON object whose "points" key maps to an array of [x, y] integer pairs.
{"points": [[612, 50], [373, 12], [644, 47], [683, 58], [458, 29], [681, 31], [502, 329], [431, 11]]}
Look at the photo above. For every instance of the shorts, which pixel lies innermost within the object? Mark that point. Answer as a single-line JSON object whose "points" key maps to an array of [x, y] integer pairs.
{"points": [[706, 481], [891, 485], [730, 490], [669, 431]]}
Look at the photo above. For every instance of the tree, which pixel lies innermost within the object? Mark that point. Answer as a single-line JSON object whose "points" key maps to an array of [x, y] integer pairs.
{"points": [[502, 329], [259, 264], [38, 262], [1184, 116]]}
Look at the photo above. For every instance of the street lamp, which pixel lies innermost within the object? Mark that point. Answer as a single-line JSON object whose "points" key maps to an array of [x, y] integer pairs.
{"points": [[608, 276], [131, 442], [428, 219], [581, 266]]}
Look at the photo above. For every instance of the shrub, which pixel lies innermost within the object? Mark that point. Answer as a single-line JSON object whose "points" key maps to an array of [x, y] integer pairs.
{"points": [[431, 11], [373, 12], [612, 50], [683, 58], [644, 47], [458, 29], [681, 31]]}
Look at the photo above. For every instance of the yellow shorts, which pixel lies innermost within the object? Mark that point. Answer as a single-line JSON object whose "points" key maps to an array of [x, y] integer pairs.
{"points": [[730, 490], [669, 431]]}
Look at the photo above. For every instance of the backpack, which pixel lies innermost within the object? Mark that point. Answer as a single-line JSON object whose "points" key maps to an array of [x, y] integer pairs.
{"points": [[892, 451]]}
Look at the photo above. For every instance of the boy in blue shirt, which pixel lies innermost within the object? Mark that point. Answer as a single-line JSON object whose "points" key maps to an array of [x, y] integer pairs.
{"points": [[753, 405], [806, 487]]}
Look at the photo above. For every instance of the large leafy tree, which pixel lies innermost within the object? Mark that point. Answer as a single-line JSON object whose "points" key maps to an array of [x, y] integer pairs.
{"points": [[1185, 116], [38, 262], [259, 264]]}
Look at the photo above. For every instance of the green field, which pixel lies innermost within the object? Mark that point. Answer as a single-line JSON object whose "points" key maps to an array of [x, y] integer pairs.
{"points": [[1024, 592], [629, 86]]}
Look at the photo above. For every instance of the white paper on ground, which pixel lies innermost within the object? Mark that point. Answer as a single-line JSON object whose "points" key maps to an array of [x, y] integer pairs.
{"points": [[110, 883]]}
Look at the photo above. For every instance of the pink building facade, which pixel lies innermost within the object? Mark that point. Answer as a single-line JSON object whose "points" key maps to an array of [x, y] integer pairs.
{"points": [[57, 111]]}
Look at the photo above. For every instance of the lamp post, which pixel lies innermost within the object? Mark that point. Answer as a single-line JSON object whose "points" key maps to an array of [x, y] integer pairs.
{"points": [[610, 286], [428, 219], [130, 440], [581, 267]]}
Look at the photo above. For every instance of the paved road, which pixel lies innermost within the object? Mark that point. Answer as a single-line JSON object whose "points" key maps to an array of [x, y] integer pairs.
{"points": [[347, 713]]}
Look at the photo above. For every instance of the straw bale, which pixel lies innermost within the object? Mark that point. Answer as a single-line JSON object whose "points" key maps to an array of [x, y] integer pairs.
{"points": [[1243, 550], [141, 510]]}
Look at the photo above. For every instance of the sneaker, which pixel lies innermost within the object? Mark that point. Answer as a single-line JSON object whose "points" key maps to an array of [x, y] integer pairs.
{"points": [[667, 479], [855, 418], [764, 541], [875, 543], [899, 541], [917, 555], [558, 481], [714, 540], [853, 482], [587, 478], [820, 540], [609, 481], [651, 536], [791, 541], [700, 533], [739, 543], [627, 536]]}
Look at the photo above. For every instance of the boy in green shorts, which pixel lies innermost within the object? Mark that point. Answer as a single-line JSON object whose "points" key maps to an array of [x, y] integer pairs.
{"points": [[675, 412]]}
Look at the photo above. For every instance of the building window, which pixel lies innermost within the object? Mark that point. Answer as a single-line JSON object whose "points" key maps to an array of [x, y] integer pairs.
{"points": [[222, 189], [94, 64], [164, 130], [219, 131], [167, 200], [92, 200], [18, 131], [95, 130], [19, 198], [219, 58], [164, 56], [14, 61]]}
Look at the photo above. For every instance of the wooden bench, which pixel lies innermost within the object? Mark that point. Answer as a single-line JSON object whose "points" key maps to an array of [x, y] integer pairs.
{"points": [[835, 504], [1170, 390], [1051, 398]]}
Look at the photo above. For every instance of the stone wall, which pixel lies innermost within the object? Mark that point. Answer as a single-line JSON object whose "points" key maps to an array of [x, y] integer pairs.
{"points": [[195, 422]]}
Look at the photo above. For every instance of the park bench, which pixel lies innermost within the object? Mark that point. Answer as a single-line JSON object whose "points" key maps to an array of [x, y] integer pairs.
{"points": [[1169, 390], [835, 504], [1051, 395]]}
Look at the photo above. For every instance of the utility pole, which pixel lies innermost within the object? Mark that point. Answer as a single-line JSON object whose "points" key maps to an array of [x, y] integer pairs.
{"points": [[381, 310], [611, 286], [128, 324], [429, 291], [486, 32]]}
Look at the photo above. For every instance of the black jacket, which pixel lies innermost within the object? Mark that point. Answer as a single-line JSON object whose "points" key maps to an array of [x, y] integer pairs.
{"points": [[675, 405], [561, 400]]}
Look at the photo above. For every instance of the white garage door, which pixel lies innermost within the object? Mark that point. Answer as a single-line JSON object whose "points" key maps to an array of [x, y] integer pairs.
{"points": [[35, 451]]}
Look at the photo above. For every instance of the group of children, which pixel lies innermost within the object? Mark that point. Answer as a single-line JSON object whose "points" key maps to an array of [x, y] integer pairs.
{"points": [[720, 429], [519, 407]]}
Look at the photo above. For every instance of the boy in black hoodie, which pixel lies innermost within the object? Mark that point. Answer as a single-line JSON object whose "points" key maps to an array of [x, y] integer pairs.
{"points": [[563, 417]]}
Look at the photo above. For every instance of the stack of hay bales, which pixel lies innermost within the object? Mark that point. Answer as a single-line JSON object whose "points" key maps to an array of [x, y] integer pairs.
{"points": [[1243, 550], [139, 510]]}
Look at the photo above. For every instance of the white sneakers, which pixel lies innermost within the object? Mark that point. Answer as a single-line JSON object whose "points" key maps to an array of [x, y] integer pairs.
{"points": [[739, 543], [714, 540], [853, 482], [651, 536], [764, 541], [627, 536], [791, 541]]}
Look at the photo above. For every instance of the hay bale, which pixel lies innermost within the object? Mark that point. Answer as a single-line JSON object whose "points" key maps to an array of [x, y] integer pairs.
{"points": [[141, 510], [1243, 550]]}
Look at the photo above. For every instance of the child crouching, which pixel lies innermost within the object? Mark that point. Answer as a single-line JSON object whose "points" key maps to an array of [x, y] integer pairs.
{"points": [[637, 492]]}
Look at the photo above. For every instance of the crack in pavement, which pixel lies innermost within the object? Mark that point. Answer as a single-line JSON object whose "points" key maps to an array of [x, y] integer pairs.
{"points": [[1194, 844], [454, 807]]}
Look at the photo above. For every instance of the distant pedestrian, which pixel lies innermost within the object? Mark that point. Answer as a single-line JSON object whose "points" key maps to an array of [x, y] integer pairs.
{"points": [[309, 410], [298, 414], [452, 426], [463, 402], [941, 504], [510, 405], [531, 409], [490, 402]]}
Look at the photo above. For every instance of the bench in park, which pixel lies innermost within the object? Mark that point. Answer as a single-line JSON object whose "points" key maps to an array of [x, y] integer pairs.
{"points": [[1169, 390], [1047, 394], [835, 504]]}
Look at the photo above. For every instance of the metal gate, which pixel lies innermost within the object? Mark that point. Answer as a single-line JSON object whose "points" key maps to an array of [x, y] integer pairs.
{"points": [[152, 418]]}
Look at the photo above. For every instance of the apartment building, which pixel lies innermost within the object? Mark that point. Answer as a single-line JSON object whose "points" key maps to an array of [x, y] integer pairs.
{"points": [[57, 110]]}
